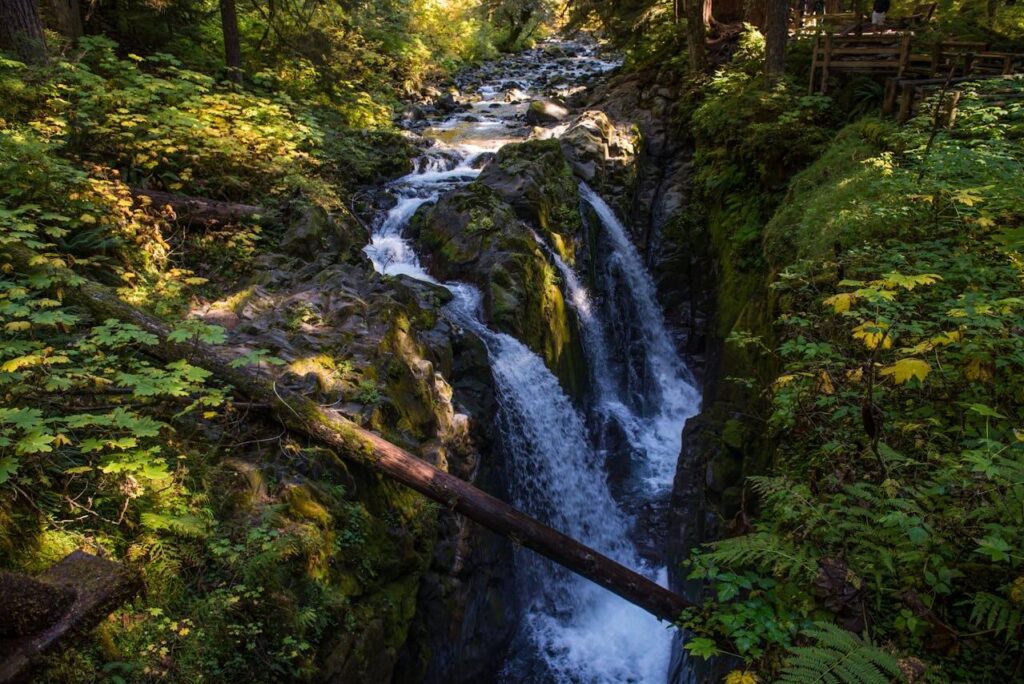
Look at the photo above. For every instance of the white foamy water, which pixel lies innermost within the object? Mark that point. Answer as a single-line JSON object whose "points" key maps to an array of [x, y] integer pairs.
{"points": [[573, 632], [674, 398]]}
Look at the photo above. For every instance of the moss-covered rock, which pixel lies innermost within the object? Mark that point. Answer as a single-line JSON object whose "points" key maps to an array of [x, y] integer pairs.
{"points": [[481, 234], [535, 179]]}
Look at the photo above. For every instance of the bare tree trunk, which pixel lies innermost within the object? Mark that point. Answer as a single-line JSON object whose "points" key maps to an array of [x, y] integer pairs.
{"points": [[695, 36], [755, 11], [66, 16], [352, 442], [232, 44], [776, 33], [21, 31]]}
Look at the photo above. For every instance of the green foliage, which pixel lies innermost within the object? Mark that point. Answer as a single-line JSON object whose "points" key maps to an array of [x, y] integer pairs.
{"points": [[250, 570], [838, 656], [896, 407]]}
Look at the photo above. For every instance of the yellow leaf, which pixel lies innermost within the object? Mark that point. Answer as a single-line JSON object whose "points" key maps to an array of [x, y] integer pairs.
{"points": [[940, 340], [855, 376], [20, 362], [87, 218], [15, 326], [826, 385], [741, 677], [842, 301], [905, 369], [977, 369], [872, 334], [784, 380]]}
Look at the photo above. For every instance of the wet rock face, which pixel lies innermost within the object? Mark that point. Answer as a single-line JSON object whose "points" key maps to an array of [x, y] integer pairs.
{"points": [[482, 234], [665, 227]]}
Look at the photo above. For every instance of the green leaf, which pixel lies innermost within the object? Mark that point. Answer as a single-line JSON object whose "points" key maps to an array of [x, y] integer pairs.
{"points": [[35, 443], [995, 547], [8, 467], [701, 647]]}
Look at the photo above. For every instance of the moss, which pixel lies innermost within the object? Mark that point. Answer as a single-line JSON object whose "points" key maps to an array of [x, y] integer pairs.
{"points": [[824, 208], [322, 366], [301, 503], [732, 433]]}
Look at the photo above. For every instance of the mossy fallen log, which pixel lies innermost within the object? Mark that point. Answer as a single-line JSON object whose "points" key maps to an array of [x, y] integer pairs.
{"points": [[44, 613], [202, 210], [299, 413]]}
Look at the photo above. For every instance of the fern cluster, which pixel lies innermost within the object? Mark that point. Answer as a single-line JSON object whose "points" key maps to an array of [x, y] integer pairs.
{"points": [[838, 657]]}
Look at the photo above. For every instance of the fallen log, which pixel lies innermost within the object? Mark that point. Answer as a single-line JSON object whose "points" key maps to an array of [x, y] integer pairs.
{"points": [[66, 601], [199, 209], [296, 412]]}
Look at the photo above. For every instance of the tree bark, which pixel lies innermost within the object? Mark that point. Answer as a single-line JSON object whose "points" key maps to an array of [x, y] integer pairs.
{"points": [[296, 412], [776, 33], [21, 31], [755, 12], [86, 589], [200, 209], [232, 43], [696, 30], [66, 16]]}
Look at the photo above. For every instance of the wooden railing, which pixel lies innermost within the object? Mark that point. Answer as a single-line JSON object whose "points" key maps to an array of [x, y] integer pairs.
{"points": [[889, 54], [883, 53]]}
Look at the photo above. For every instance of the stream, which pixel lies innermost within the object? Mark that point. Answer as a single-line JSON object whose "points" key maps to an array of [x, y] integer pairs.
{"points": [[558, 454]]}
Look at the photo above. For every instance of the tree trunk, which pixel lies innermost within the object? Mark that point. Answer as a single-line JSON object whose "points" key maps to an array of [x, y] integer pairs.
{"points": [[755, 12], [776, 33], [695, 36], [66, 17], [232, 44], [295, 411], [21, 31], [71, 598]]}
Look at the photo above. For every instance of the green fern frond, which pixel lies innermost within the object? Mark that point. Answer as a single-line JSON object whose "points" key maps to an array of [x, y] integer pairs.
{"points": [[996, 614], [765, 551], [838, 657]]}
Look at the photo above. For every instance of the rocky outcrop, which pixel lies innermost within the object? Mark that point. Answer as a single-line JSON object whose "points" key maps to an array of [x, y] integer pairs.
{"points": [[482, 234], [417, 579], [602, 153]]}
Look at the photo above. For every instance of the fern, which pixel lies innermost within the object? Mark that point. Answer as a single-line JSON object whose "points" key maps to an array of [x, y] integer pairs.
{"points": [[996, 614], [765, 551], [838, 657]]}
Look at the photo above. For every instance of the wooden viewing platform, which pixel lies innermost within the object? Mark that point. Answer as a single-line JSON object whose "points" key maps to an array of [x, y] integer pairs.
{"points": [[909, 76]]}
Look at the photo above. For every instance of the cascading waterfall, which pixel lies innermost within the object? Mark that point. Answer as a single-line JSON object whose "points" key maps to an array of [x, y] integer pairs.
{"points": [[667, 394], [573, 631]]}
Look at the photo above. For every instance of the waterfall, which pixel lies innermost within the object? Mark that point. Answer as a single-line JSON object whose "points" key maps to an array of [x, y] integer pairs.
{"points": [[573, 631], [663, 384], [580, 632]]}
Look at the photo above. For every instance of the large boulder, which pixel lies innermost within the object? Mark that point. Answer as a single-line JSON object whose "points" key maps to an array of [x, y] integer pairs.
{"points": [[545, 112], [594, 146], [537, 182], [473, 235]]}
